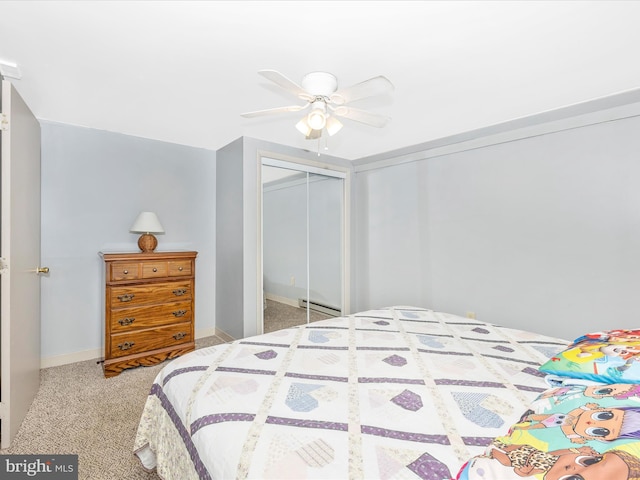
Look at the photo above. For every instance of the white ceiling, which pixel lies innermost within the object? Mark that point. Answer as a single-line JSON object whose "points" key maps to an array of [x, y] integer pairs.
{"points": [[183, 71]]}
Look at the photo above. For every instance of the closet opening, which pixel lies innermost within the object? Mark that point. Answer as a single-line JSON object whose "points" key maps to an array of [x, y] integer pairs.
{"points": [[302, 247]]}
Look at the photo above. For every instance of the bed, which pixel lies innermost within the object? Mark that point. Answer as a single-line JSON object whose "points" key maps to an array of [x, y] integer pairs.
{"points": [[401, 392]]}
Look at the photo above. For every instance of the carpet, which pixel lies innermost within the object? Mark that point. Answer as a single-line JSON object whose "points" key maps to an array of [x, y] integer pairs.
{"points": [[279, 315], [79, 411]]}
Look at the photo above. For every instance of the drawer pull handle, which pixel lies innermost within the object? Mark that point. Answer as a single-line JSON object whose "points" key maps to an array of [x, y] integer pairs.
{"points": [[126, 321], [179, 335], [155, 269], [179, 292], [179, 313], [126, 272], [127, 297], [179, 269], [126, 345]]}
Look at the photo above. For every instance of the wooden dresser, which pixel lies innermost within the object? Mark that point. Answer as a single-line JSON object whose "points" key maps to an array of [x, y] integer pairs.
{"points": [[149, 308]]}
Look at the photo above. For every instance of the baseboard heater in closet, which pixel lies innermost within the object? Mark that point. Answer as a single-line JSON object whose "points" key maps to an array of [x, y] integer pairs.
{"points": [[319, 307]]}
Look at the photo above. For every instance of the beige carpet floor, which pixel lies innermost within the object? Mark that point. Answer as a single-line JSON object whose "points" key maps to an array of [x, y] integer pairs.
{"points": [[79, 411], [280, 315]]}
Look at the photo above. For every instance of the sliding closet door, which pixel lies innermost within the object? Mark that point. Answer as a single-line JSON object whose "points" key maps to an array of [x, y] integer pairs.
{"points": [[302, 244], [325, 195], [284, 245]]}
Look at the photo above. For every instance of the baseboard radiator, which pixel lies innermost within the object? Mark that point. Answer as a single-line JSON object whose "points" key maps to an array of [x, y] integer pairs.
{"points": [[319, 307]]}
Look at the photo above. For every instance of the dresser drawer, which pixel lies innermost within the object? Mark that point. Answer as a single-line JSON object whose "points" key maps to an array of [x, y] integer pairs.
{"points": [[154, 269], [128, 319], [121, 271], [180, 268], [150, 339], [123, 297], [124, 271]]}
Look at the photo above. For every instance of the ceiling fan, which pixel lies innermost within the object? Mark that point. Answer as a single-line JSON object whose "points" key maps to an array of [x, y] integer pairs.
{"points": [[326, 102]]}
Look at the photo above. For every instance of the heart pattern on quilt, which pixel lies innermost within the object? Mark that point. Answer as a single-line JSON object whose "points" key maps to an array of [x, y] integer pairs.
{"points": [[295, 454], [266, 354], [395, 360], [299, 398], [316, 336], [473, 407], [408, 400], [392, 462], [226, 388], [432, 342]]}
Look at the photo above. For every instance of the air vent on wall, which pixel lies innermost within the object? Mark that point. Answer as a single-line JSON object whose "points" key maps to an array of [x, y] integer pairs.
{"points": [[319, 307]]}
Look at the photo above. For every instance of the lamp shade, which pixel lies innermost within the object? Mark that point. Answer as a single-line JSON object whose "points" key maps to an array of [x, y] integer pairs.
{"points": [[147, 222]]}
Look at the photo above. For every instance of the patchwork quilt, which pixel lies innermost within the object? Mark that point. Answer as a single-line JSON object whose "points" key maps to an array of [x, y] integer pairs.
{"points": [[401, 392]]}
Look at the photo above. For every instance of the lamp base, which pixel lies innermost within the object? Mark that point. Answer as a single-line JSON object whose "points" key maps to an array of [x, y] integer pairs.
{"points": [[147, 242]]}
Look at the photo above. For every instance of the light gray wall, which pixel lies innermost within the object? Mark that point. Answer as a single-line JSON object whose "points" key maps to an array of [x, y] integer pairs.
{"points": [[540, 233], [392, 245], [229, 238], [94, 184]]}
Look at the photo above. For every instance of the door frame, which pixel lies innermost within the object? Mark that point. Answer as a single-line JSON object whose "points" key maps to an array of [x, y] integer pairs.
{"points": [[321, 168]]}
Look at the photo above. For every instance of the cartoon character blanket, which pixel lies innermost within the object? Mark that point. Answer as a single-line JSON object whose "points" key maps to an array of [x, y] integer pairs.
{"points": [[573, 432]]}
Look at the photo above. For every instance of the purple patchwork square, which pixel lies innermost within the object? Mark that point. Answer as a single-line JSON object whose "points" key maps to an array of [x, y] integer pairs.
{"points": [[266, 355], [408, 400], [396, 360], [502, 348]]}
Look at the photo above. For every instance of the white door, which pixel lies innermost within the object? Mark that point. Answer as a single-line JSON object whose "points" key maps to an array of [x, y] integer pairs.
{"points": [[20, 250]]}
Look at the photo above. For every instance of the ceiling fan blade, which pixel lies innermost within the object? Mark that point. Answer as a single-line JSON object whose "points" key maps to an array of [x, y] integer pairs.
{"points": [[289, 85], [362, 116], [269, 111], [369, 88]]}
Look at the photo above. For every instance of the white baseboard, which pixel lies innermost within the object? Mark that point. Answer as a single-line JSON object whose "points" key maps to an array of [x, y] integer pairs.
{"points": [[206, 332], [57, 360], [98, 353], [285, 300], [223, 335]]}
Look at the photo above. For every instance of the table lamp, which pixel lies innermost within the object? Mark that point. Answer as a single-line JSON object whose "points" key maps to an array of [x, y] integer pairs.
{"points": [[147, 223]]}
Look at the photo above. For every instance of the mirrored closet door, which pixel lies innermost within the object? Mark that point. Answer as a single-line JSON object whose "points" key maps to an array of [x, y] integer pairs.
{"points": [[302, 244]]}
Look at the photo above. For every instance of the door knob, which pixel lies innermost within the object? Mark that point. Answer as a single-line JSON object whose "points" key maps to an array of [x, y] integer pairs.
{"points": [[43, 270]]}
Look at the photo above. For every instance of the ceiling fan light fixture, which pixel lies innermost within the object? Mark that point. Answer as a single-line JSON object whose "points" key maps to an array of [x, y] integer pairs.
{"points": [[303, 127], [333, 126], [314, 135], [317, 118]]}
